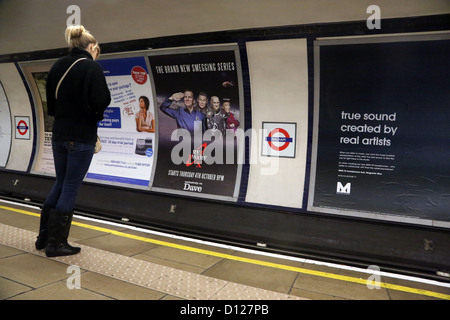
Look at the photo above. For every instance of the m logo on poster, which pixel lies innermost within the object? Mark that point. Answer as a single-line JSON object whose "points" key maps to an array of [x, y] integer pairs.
{"points": [[341, 189]]}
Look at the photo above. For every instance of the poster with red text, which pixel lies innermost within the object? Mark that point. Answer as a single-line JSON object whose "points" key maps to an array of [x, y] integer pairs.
{"points": [[127, 130], [199, 105]]}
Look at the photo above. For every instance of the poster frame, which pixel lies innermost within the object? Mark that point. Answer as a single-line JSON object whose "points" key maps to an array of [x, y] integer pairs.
{"points": [[124, 55], [241, 147], [4, 99], [349, 40], [27, 68]]}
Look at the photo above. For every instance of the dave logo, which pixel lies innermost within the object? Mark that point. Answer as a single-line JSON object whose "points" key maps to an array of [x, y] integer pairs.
{"points": [[341, 189]]}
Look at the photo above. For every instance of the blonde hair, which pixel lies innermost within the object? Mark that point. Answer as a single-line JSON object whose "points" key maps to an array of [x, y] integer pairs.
{"points": [[78, 36]]}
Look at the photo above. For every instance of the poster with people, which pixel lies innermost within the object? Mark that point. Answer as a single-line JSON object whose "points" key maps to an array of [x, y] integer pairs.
{"points": [[382, 124], [127, 131], [199, 104]]}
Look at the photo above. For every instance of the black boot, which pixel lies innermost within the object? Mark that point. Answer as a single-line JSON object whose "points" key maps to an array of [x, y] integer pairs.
{"points": [[42, 238], [58, 232]]}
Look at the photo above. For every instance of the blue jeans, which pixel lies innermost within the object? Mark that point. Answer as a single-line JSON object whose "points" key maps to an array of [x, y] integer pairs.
{"points": [[72, 161]]}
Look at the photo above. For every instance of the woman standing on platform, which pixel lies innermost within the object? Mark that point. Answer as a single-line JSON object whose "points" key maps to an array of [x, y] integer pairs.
{"points": [[77, 95]]}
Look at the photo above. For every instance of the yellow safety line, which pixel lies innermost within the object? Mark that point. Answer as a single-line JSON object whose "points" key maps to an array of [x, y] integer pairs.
{"points": [[253, 261]]}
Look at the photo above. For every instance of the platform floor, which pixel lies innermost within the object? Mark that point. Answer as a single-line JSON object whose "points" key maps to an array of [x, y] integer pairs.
{"points": [[122, 263]]}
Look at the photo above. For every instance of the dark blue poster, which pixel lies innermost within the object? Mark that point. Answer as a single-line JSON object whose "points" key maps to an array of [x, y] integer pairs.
{"points": [[383, 143]]}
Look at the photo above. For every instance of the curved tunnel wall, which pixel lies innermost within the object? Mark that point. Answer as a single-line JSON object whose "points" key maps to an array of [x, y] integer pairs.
{"points": [[277, 70]]}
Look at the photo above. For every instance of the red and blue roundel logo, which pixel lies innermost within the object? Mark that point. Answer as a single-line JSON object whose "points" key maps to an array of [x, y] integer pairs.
{"points": [[279, 139], [22, 127]]}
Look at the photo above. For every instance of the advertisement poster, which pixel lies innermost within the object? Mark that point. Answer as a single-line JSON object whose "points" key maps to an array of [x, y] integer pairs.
{"points": [[382, 128], [127, 131], [199, 105], [38, 79], [5, 128], [35, 74]]}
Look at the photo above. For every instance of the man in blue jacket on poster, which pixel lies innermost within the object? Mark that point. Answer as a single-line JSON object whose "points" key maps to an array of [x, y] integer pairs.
{"points": [[189, 117]]}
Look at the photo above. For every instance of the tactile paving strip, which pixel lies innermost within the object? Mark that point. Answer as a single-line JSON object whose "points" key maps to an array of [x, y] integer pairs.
{"points": [[172, 281]]}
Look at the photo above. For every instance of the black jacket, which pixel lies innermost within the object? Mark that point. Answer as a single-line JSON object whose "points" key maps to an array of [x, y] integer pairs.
{"points": [[82, 97]]}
